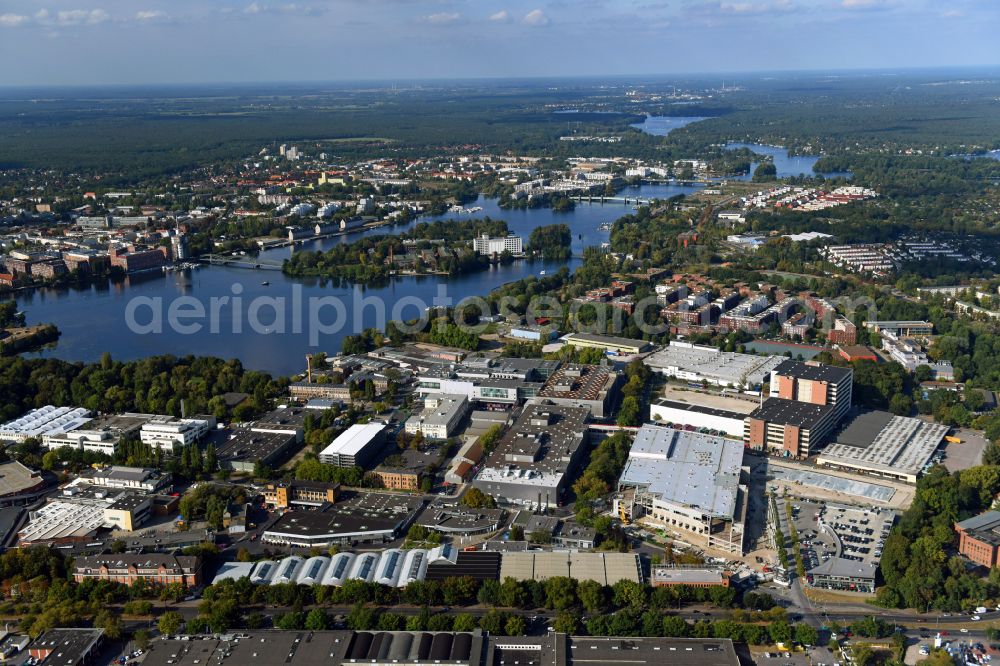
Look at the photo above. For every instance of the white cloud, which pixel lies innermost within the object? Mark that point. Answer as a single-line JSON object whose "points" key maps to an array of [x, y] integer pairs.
{"points": [[151, 16], [501, 16], [535, 17], [13, 20], [82, 16], [292, 8], [442, 18], [745, 8], [867, 4], [953, 13]]}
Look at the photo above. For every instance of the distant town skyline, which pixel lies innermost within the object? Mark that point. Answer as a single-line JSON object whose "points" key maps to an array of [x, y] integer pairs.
{"points": [[62, 42]]}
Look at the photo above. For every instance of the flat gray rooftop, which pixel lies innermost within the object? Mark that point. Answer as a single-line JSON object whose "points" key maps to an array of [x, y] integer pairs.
{"points": [[882, 442], [687, 468], [632, 651], [857, 488], [712, 364]]}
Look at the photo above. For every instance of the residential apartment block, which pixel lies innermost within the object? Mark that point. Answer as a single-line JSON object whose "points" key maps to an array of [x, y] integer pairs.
{"points": [[129, 568]]}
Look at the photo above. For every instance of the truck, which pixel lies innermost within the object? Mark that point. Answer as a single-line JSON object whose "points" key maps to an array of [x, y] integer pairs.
{"points": [[981, 609], [953, 440]]}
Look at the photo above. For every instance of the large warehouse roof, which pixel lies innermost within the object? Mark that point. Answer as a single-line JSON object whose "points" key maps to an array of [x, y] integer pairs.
{"points": [[882, 442], [713, 365], [605, 568], [353, 440], [687, 468]]}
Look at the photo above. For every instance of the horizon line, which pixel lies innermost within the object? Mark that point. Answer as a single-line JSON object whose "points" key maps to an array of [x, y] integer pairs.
{"points": [[412, 81]]}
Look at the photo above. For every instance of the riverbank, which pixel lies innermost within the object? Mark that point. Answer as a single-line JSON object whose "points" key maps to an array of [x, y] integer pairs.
{"points": [[19, 339]]}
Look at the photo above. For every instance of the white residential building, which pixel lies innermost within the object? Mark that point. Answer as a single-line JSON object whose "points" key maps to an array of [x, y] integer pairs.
{"points": [[488, 246]]}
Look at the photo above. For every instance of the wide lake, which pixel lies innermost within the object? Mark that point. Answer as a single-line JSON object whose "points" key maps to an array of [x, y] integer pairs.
{"points": [[95, 319]]}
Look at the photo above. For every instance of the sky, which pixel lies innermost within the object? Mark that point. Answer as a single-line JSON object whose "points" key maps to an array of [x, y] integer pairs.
{"points": [[84, 42]]}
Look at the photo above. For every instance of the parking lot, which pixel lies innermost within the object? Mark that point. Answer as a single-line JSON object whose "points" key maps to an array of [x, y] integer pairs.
{"points": [[967, 454], [828, 530]]}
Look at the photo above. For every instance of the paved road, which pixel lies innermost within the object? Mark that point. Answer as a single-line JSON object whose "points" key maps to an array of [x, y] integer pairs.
{"points": [[817, 616]]}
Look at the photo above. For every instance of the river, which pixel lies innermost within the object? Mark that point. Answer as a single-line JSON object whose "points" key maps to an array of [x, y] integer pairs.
{"points": [[94, 319], [664, 125], [785, 164]]}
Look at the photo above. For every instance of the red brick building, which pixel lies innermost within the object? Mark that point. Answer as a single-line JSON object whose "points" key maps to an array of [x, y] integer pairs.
{"points": [[127, 568], [843, 332], [134, 261], [979, 538], [857, 353]]}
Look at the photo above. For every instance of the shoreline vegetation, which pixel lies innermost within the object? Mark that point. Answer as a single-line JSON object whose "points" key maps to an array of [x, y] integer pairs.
{"points": [[442, 247]]}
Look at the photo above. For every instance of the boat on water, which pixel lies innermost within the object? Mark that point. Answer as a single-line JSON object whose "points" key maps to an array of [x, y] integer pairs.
{"points": [[265, 283], [541, 272]]}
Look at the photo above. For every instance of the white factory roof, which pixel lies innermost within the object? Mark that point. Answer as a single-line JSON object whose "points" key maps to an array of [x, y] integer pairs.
{"points": [[61, 520], [520, 475], [877, 442], [686, 468], [353, 440], [234, 571], [710, 363], [46, 420], [444, 413]]}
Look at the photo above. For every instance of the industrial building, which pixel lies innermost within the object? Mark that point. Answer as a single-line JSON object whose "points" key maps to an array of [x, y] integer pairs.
{"points": [[283, 494], [464, 462], [532, 333], [43, 421], [407, 473], [610, 344], [788, 427], [814, 383], [669, 576], [979, 538], [591, 386], [489, 381], [843, 574], [356, 446], [440, 417], [537, 458], [901, 328], [98, 435], [808, 400], [689, 482], [82, 512], [283, 421], [246, 447], [455, 519], [119, 477], [20, 485], [886, 445], [851, 353], [675, 412], [67, 646], [392, 567], [405, 648], [168, 432], [361, 518], [604, 568], [693, 363]]}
